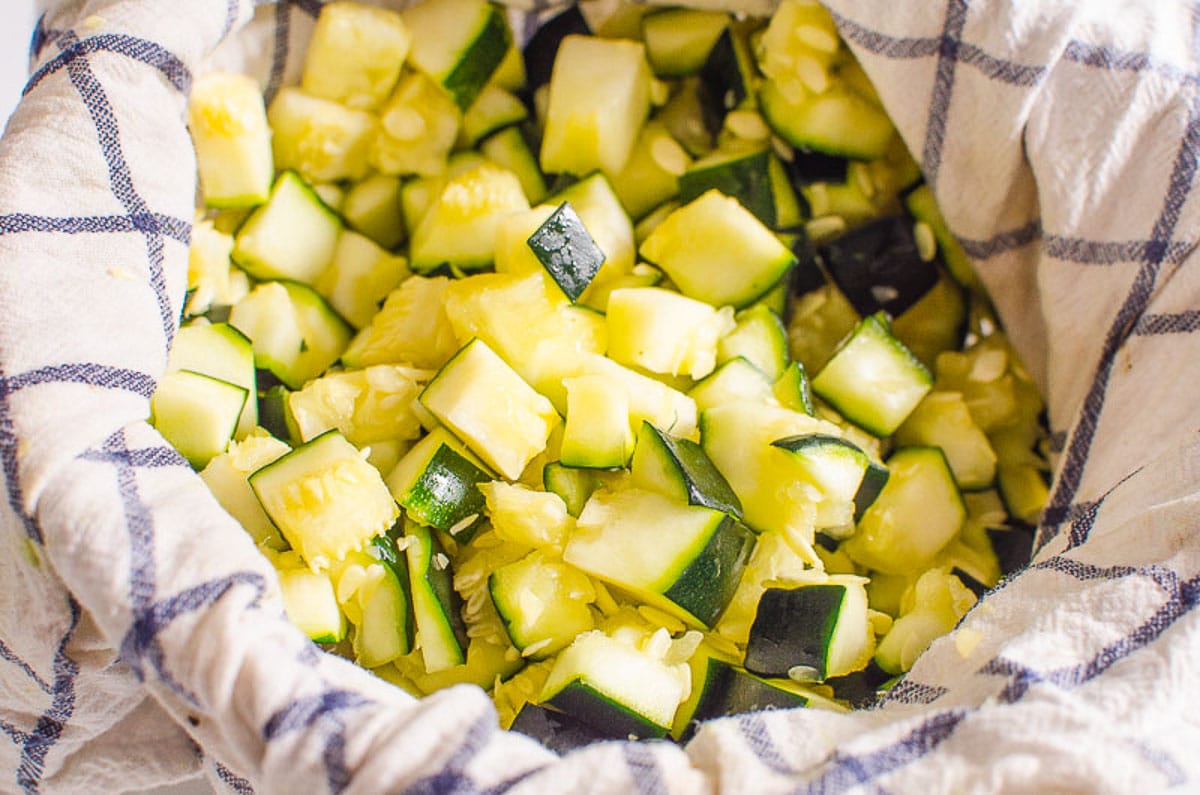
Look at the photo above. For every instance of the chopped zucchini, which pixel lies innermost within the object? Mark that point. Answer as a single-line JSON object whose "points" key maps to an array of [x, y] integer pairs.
{"points": [[599, 99], [292, 236], [437, 485], [489, 407], [325, 499], [688, 567], [544, 603], [695, 244], [232, 138], [197, 413], [679, 469], [872, 379], [916, 514], [813, 632]]}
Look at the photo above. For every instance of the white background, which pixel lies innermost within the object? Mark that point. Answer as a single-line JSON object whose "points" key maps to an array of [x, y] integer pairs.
{"points": [[16, 26]]}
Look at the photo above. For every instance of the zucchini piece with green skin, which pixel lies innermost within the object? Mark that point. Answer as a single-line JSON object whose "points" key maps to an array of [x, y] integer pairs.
{"points": [[574, 485], [597, 204], [311, 605], [232, 138], [836, 122], [689, 567], [543, 603], [460, 227], [541, 51], [490, 408], [458, 43], [325, 499], [509, 149], [274, 415], [596, 434], [556, 730], [679, 469], [220, 351], [437, 484], [441, 634], [620, 691], [196, 413], [935, 323], [872, 379], [735, 380], [727, 78], [759, 337], [386, 630], [295, 334], [694, 245], [292, 236], [493, 110], [736, 691], [878, 266], [678, 40], [566, 250], [771, 483], [873, 480], [813, 632], [792, 389], [749, 175], [916, 514], [834, 465]]}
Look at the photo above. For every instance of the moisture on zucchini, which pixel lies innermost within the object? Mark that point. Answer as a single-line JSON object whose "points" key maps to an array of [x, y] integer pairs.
{"points": [[755, 452]]}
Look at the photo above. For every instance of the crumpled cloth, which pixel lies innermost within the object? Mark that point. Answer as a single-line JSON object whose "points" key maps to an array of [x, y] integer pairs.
{"points": [[142, 639]]}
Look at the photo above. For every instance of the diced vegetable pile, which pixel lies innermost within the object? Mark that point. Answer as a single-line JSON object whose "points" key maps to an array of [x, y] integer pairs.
{"points": [[633, 377]]}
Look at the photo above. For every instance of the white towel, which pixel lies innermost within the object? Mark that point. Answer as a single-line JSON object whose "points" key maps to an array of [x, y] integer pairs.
{"points": [[141, 635]]}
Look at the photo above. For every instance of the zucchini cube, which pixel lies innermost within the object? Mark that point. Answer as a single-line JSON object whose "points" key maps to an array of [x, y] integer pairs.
{"points": [[696, 244], [689, 566], [321, 139], [664, 332], [437, 484], [487, 405], [458, 43], [325, 499], [566, 250], [228, 123], [599, 100], [355, 54], [813, 632]]}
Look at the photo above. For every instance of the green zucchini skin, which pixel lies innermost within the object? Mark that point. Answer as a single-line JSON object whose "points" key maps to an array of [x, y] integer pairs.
{"points": [[706, 586], [608, 718], [444, 492], [566, 250], [556, 730], [794, 627], [385, 548], [689, 473]]}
